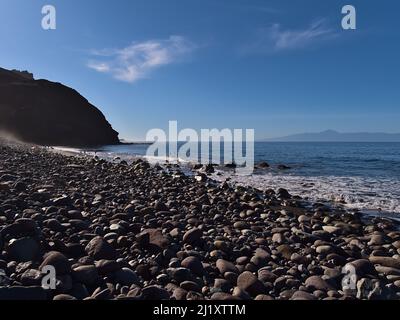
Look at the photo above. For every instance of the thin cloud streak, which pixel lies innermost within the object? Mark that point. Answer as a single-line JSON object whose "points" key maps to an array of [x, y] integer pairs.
{"points": [[275, 38], [139, 59]]}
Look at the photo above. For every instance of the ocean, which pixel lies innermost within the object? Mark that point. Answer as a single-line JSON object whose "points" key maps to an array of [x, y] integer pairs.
{"points": [[364, 176]]}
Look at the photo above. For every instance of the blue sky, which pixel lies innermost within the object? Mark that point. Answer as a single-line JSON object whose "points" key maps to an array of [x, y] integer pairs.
{"points": [[279, 67]]}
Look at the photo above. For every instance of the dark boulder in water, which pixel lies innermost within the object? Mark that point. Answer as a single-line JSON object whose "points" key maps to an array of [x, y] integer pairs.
{"points": [[231, 165], [263, 165], [49, 113], [209, 168]]}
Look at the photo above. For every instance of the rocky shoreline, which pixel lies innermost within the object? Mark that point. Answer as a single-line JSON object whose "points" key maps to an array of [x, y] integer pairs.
{"points": [[141, 232]]}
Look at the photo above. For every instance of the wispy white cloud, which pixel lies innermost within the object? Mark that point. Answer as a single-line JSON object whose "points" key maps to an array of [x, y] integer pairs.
{"points": [[139, 59], [99, 66], [276, 38]]}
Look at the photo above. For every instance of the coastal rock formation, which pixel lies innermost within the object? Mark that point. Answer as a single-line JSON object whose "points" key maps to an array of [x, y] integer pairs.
{"points": [[49, 113]]}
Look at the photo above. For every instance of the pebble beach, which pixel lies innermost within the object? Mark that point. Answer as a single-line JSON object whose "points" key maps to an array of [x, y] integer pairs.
{"points": [[135, 231]]}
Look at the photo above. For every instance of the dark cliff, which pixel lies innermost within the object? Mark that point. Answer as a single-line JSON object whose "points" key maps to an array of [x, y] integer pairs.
{"points": [[48, 113]]}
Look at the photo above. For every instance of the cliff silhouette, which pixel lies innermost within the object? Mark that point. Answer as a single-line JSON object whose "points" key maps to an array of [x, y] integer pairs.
{"points": [[49, 113]]}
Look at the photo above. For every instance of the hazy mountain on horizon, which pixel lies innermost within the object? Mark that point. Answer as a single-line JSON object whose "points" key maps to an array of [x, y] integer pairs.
{"points": [[335, 136]]}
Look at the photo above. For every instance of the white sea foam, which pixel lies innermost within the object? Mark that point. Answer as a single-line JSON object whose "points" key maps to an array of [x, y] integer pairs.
{"points": [[68, 149], [161, 160], [355, 192]]}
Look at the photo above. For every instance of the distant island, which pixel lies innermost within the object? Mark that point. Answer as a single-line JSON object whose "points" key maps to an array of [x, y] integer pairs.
{"points": [[335, 136], [49, 113]]}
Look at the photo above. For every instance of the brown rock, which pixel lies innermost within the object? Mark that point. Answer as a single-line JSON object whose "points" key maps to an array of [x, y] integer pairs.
{"points": [[192, 236], [156, 239], [248, 282], [58, 261], [193, 264], [226, 266], [317, 283], [286, 251], [302, 295], [385, 261], [100, 249]]}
